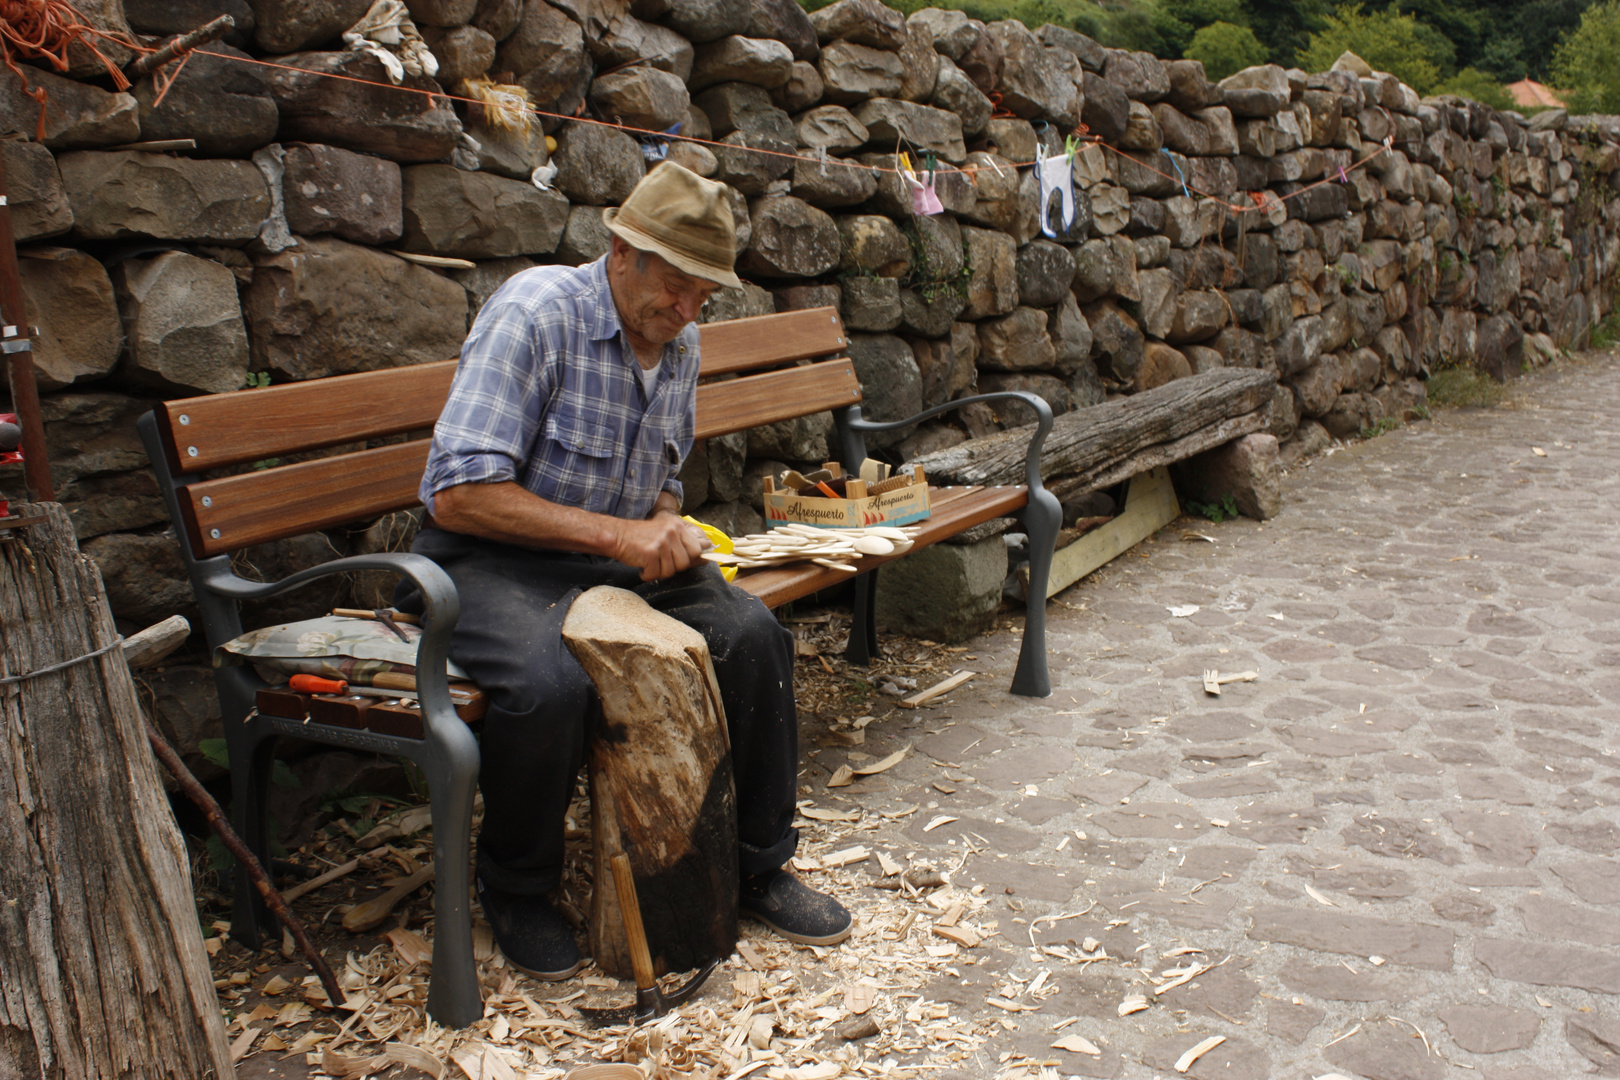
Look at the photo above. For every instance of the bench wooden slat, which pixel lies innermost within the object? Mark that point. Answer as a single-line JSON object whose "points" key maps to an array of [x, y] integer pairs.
{"points": [[273, 504], [229, 429], [954, 509], [251, 425], [771, 340], [738, 404]]}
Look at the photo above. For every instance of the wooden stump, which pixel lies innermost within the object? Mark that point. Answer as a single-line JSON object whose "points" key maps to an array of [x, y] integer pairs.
{"points": [[661, 785], [105, 974]]}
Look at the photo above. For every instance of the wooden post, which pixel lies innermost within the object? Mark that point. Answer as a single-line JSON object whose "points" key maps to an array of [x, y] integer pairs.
{"points": [[661, 786], [105, 973]]}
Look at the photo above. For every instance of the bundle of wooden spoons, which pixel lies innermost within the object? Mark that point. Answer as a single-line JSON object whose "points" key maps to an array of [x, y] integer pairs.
{"points": [[832, 548]]}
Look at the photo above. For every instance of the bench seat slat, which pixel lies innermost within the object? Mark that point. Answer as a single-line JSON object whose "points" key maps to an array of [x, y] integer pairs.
{"points": [[251, 425], [273, 504], [738, 404], [954, 509], [770, 340]]}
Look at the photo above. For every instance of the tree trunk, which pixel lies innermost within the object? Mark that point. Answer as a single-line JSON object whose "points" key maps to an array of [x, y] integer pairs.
{"points": [[661, 786], [105, 974], [1103, 440]]}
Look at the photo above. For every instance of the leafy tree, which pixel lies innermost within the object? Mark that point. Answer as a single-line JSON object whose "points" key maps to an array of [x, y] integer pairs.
{"points": [[1178, 20], [1387, 40], [1284, 26], [1226, 49], [1474, 83], [1587, 64], [1539, 26]]}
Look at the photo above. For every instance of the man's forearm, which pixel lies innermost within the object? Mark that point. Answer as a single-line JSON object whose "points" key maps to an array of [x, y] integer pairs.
{"points": [[513, 515], [666, 504]]}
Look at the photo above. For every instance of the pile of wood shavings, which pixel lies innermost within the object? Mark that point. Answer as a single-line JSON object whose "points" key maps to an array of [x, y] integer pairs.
{"points": [[772, 1010]]}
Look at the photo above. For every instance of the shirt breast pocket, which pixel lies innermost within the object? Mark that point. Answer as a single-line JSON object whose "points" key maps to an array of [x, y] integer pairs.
{"points": [[576, 432]]}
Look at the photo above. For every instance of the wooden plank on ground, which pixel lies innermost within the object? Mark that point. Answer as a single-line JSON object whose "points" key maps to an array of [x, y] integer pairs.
{"points": [[1150, 505]]}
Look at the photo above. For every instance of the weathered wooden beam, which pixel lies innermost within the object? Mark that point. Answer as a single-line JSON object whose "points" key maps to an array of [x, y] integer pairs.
{"points": [[1097, 441], [1207, 438]]}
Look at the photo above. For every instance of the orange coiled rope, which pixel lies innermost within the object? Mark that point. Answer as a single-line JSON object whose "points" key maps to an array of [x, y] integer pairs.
{"points": [[43, 30]]}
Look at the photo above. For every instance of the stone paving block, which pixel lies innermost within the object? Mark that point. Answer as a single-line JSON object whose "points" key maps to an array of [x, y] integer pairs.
{"points": [[1596, 882], [1550, 965], [1355, 935]]}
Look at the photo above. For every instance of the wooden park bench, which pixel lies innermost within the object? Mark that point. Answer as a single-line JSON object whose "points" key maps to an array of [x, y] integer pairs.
{"points": [[204, 450]]}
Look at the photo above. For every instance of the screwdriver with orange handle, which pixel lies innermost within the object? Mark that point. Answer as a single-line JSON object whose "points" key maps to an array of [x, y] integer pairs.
{"points": [[389, 685]]}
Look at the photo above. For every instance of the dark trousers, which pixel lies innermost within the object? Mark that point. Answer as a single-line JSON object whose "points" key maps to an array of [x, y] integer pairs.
{"points": [[542, 704]]}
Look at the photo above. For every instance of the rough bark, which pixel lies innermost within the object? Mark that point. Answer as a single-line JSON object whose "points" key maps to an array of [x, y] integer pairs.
{"points": [[1109, 473], [661, 783], [105, 974], [1102, 439]]}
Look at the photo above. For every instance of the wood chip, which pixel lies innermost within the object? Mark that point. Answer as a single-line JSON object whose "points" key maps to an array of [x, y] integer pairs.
{"points": [[859, 998], [1078, 1044], [846, 857], [244, 1042], [939, 689], [943, 819], [1009, 1006], [1319, 898], [883, 766], [416, 1058], [1538, 451], [816, 813], [412, 947], [964, 936], [1185, 1061], [842, 777], [888, 865], [1135, 1003]]}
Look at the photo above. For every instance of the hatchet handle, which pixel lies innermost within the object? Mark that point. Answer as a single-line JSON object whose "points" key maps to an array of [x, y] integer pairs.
{"points": [[635, 935]]}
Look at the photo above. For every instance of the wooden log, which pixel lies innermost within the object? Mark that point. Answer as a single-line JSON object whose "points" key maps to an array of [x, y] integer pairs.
{"points": [[1098, 440], [105, 973], [661, 783], [1159, 454]]}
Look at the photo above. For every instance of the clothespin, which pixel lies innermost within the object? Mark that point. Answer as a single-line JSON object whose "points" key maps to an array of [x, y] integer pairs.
{"points": [[821, 156], [1071, 146], [1343, 179]]}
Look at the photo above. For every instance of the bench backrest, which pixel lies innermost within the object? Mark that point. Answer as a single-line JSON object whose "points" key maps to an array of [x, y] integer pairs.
{"points": [[752, 376]]}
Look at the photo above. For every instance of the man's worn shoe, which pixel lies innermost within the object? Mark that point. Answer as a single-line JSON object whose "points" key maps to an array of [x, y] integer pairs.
{"points": [[532, 933], [794, 910]]}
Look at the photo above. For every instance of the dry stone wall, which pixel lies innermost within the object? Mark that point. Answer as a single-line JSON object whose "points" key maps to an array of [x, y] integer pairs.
{"points": [[274, 250]]}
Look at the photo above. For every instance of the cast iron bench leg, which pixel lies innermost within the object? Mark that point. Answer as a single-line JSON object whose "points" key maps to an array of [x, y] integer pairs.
{"points": [[1041, 517], [454, 999], [863, 640]]}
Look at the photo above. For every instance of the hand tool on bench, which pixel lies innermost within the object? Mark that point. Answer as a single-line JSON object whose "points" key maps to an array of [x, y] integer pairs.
{"points": [[315, 684], [387, 616], [651, 1001]]}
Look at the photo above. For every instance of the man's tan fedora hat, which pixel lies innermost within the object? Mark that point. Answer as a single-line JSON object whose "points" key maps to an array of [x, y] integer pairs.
{"points": [[677, 214]]}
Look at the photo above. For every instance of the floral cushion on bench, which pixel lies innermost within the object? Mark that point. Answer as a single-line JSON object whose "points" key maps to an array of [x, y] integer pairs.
{"points": [[333, 647]]}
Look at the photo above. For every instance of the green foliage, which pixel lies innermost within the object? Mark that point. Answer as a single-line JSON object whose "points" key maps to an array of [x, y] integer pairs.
{"points": [[1463, 388], [1606, 334], [214, 750], [1223, 508], [1587, 64], [1387, 40], [1474, 83], [256, 380], [1387, 424], [1225, 49]]}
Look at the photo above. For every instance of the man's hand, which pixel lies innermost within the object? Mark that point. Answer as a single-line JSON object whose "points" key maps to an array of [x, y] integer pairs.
{"points": [[662, 545]]}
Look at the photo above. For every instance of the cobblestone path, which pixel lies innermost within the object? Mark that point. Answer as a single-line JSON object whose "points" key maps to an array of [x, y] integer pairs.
{"points": [[1396, 846]]}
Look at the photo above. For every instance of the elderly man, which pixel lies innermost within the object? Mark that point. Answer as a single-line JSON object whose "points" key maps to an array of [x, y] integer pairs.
{"points": [[552, 471]]}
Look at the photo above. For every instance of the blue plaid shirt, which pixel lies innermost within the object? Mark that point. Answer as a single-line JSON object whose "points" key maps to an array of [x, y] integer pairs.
{"points": [[548, 394]]}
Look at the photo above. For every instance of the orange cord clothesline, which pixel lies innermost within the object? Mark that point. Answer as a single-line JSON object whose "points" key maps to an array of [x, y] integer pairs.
{"points": [[1260, 200]]}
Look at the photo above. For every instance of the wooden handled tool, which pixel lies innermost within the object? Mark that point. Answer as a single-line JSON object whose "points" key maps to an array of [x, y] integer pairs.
{"points": [[369, 915], [651, 1001]]}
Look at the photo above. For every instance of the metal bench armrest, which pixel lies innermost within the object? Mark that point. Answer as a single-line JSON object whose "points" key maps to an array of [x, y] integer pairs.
{"points": [[443, 608], [1032, 462]]}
